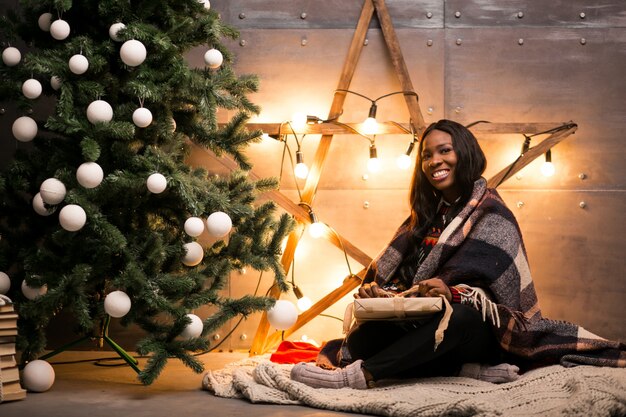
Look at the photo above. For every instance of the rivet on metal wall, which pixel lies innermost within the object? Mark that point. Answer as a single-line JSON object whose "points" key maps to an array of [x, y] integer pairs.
{"points": [[216, 336], [429, 42], [366, 42], [520, 204], [519, 177], [242, 42], [458, 109], [303, 41], [365, 177], [242, 15], [583, 41], [430, 110], [243, 336], [29, 111], [582, 205], [582, 176], [457, 14], [582, 15], [303, 15], [459, 41], [366, 204], [429, 15], [520, 41], [3, 110], [520, 15]]}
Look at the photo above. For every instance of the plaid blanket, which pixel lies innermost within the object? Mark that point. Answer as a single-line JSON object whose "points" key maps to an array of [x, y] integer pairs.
{"points": [[482, 247]]}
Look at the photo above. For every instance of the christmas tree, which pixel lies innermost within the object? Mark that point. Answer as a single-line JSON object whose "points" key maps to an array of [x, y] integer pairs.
{"points": [[100, 216]]}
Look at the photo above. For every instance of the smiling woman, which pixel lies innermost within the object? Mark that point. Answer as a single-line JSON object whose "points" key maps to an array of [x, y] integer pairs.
{"points": [[460, 242]]}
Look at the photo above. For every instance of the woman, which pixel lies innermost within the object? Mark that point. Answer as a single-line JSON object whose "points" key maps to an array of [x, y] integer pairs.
{"points": [[462, 242]]}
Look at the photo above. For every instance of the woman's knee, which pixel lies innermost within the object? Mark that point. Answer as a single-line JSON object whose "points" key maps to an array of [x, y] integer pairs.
{"points": [[465, 317]]}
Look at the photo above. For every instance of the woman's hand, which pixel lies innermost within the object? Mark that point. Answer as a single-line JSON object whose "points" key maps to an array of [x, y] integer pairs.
{"points": [[372, 290], [434, 287]]}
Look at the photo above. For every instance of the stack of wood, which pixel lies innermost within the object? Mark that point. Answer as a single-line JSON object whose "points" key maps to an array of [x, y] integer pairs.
{"points": [[10, 388]]}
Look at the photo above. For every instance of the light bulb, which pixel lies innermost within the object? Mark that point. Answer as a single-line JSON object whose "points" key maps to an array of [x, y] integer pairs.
{"points": [[373, 164], [370, 126], [298, 121], [301, 170], [403, 161], [304, 303], [547, 169], [316, 230]]}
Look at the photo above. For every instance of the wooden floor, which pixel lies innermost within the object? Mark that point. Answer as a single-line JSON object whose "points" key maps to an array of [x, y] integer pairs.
{"points": [[84, 389]]}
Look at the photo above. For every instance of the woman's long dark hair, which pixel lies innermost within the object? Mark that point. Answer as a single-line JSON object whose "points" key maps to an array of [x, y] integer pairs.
{"points": [[471, 164]]}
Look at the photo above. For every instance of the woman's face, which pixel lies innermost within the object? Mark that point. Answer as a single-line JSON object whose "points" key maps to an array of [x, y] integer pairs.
{"points": [[439, 162]]}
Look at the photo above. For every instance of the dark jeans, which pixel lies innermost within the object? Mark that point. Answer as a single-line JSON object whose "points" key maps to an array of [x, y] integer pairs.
{"points": [[405, 349]]}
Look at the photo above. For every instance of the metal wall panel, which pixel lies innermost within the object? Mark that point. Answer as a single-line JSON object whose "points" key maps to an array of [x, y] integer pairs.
{"points": [[551, 76], [576, 254], [324, 14], [516, 13]]}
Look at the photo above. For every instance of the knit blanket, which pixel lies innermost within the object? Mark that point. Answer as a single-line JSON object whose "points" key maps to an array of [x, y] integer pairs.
{"points": [[584, 391], [483, 247]]}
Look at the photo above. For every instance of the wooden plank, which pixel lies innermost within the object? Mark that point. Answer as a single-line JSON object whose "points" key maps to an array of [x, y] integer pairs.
{"points": [[391, 39], [531, 155], [391, 128]]}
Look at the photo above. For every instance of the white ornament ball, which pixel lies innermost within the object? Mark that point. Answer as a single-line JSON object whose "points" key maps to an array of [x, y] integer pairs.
{"points": [[133, 53], [116, 27], [40, 208], [59, 29], [117, 304], [206, 3], [99, 111], [24, 129], [142, 117], [33, 292], [11, 56], [283, 315], [156, 183], [44, 22], [213, 58], [52, 191], [194, 226], [219, 224], [5, 283], [72, 217], [38, 376], [193, 329], [55, 82], [31, 88], [89, 174], [193, 254], [78, 64]]}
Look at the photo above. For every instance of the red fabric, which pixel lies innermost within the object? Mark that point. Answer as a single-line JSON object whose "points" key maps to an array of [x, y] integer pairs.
{"points": [[295, 352]]}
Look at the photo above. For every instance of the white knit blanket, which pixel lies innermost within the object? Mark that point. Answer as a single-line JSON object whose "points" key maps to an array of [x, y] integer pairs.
{"points": [[551, 391]]}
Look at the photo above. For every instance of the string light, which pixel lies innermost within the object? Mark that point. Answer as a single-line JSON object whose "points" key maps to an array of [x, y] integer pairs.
{"points": [[299, 121], [370, 125], [304, 302], [301, 170], [547, 169], [404, 160], [373, 163]]}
